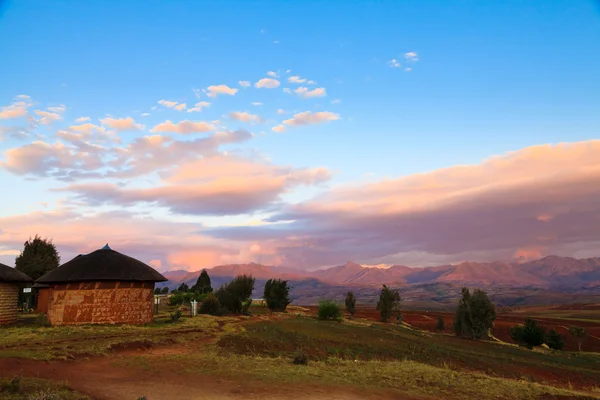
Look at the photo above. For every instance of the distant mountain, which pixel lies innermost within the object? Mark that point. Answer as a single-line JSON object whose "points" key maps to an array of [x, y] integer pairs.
{"points": [[526, 282]]}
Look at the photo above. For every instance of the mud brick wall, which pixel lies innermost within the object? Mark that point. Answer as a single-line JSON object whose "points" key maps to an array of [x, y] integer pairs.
{"points": [[101, 303], [9, 296]]}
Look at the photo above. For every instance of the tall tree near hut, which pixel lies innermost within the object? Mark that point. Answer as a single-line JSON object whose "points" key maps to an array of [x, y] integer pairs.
{"points": [[39, 256], [203, 284]]}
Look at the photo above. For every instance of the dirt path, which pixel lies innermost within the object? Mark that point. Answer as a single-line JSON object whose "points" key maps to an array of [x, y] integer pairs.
{"points": [[100, 379]]}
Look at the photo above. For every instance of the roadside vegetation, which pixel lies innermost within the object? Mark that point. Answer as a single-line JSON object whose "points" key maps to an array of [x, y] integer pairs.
{"points": [[21, 388]]}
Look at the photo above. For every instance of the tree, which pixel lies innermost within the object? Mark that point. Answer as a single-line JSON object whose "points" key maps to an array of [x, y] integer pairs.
{"points": [[475, 315], [183, 287], [39, 256], [203, 284], [234, 295], [579, 334], [388, 304], [329, 310], [165, 290], [440, 324], [529, 334], [157, 290], [554, 340], [351, 303], [277, 294]]}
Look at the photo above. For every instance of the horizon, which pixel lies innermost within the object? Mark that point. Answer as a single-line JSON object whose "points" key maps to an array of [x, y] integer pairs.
{"points": [[444, 138]]}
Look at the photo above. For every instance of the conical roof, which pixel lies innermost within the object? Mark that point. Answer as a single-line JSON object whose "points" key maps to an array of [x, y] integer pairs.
{"points": [[102, 265], [10, 274]]}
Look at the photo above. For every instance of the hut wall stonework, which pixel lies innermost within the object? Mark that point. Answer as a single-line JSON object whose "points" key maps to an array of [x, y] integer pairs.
{"points": [[101, 303], [9, 296]]}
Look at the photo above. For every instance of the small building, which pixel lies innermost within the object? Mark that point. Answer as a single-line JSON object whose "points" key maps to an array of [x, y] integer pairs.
{"points": [[10, 282], [103, 287]]}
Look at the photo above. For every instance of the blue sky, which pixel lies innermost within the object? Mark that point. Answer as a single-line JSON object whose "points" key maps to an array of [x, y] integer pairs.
{"points": [[485, 78]]}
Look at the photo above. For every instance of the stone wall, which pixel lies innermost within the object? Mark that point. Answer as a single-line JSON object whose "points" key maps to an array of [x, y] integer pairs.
{"points": [[101, 303], [9, 297]]}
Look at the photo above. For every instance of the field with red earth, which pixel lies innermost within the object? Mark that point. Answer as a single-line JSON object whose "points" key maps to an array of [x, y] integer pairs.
{"points": [[559, 318]]}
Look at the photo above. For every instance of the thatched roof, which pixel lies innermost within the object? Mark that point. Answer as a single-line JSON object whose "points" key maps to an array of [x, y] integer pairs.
{"points": [[10, 274], [102, 265]]}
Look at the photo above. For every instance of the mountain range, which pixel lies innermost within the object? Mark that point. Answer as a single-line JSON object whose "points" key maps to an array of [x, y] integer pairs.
{"points": [[550, 280], [548, 272]]}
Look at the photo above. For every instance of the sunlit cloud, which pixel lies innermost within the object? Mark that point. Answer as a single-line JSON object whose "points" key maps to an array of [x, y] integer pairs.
{"points": [[267, 83], [214, 91], [183, 127], [306, 93]]}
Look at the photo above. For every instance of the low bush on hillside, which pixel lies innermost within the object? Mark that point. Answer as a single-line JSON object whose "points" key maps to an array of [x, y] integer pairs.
{"points": [[300, 358], [554, 340], [277, 294], [180, 298], [329, 310], [389, 304], [176, 316], [529, 334]]}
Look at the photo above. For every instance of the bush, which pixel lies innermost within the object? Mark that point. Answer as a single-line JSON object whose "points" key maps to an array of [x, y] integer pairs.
{"points": [[300, 358], [579, 334], [235, 294], [329, 310], [176, 299], [351, 303], [388, 304], [176, 315], [277, 294], [554, 340], [440, 324], [475, 315], [164, 290], [530, 334], [210, 306]]}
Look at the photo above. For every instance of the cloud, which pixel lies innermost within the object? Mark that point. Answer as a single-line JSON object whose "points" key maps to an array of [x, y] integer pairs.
{"points": [[183, 127], [287, 90], [296, 79], [245, 117], [309, 118], [87, 129], [17, 108], [173, 104], [217, 185], [82, 119], [199, 106], [145, 114], [244, 83], [58, 109], [180, 107], [273, 74], [278, 128], [47, 117], [267, 83], [257, 103], [122, 124], [336, 101], [411, 56], [280, 111], [393, 63], [307, 94], [497, 209], [407, 69], [214, 91]]}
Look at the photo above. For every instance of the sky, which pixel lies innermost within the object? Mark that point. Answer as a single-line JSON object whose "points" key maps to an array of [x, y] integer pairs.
{"points": [[190, 134]]}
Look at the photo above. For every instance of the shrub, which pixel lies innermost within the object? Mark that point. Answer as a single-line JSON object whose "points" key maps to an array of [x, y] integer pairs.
{"points": [[351, 303], [183, 287], [277, 294], [210, 306], [14, 386], [329, 310], [388, 304], [530, 334], [475, 315], [176, 299], [176, 315], [234, 295], [164, 290], [578, 333], [300, 358], [554, 340], [440, 324]]}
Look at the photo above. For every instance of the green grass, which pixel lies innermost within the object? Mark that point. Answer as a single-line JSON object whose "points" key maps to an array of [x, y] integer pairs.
{"points": [[323, 340], [63, 342], [37, 389], [407, 377]]}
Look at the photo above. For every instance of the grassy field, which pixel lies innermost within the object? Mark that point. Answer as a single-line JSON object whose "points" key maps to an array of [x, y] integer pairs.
{"points": [[37, 389], [359, 355]]}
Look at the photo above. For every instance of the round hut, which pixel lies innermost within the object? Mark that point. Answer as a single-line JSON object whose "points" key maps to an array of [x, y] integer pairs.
{"points": [[10, 282], [103, 287]]}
